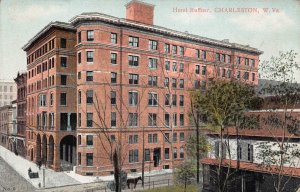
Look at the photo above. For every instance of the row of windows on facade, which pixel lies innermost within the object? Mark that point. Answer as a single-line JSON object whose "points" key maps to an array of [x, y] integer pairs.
{"points": [[133, 120], [46, 65], [133, 139], [133, 98], [5, 88], [133, 156], [5, 96], [21, 93], [45, 48], [244, 151], [153, 45], [47, 82]]}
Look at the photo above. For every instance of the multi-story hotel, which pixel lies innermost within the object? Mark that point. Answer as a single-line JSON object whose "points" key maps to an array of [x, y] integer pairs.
{"points": [[100, 82]]}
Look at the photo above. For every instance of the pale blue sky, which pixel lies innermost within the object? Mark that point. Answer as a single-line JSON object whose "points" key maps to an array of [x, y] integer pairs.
{"points": [[270, 32]]}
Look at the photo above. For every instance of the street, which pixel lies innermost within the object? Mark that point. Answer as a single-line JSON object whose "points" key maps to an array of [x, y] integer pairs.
{"points": [[10, 180]]}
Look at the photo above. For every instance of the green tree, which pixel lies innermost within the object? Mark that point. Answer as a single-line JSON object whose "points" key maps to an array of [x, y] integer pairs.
{"points": [[280, 122], [184, 174], [224, 105]]}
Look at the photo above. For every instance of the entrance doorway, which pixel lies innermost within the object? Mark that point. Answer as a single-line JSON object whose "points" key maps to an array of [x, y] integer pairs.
{"points": [[68, 152], [156, 157]]}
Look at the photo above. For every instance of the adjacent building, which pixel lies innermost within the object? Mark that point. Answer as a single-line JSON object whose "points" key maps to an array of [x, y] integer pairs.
{"points": [[19, 136], [8, 126], [8, 92], [101, 82]]}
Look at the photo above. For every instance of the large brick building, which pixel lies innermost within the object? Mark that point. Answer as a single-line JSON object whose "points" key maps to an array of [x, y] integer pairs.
{"points": [[131, 79]]}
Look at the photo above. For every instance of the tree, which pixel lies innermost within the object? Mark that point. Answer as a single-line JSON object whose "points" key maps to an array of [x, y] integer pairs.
{"points": [[280, 155], [184, 174], [224, 103]]}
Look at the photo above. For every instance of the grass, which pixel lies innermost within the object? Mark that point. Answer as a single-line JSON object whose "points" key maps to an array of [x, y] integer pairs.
{"points": [[189, 188]]}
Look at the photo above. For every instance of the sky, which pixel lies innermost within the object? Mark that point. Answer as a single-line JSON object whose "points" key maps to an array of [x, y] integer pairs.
{"points": [[274, 30]]}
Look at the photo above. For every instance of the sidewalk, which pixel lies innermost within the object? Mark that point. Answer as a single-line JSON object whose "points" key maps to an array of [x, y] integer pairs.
{"points": [[21, 165]]}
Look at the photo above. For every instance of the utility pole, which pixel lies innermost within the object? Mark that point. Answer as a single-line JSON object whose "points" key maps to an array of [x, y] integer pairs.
{"points": [[143, 160], [44, 176]]}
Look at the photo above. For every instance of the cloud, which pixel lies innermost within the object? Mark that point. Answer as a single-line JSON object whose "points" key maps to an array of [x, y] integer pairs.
{"points": [[191, 17], [275, 22], [32, 12]]}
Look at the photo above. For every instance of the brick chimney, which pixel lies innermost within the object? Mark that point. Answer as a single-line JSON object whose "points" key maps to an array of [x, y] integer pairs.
{"points": [[140, 12]]}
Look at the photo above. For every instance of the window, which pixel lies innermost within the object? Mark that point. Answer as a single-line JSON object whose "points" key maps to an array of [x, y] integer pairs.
{"points": [[63, 61], [197, 69], [90, 56], [223, 72], [113, 38], [167, 65], [89, 76], [204, 70], [181, 136], [133, 79], [238, 75], [181, 153], [228, 73], [90, 35], [151, 119], [113, 58], [222, 58], [79, 119], [133, 156], [167, 99], [167, 48], [174, 82], [250, 152], [175, 153], [238, 60], [246, 75], [133, 41], [152, 63], [113, 78], [181, 68], [228, 59], [152, 45], [113, 119], [204, 55], [42, 100], [112, 138], [133, 60], [166, 82], [63, 79], [217, 56], [240, 152], [253, 76], [147, 154], [152, 99], [181, 100], [203, 85], [181, 51], [63, 99], [152, 138], [174, 49], [79, 158], [133, 98], [89, 159], [167, 119], [247, 61], [167, 137], [89, 96], [133, 139], [152, 80], [181, 83], [89, 140], [181, 119], [79, 139], [89, 119], [174, 100], [79, 37], [133, 119], [174, 137], [51, 99], [113, 97], [167, 153], [79, 97], [252, 63], [174, 67], [197, 53], [63, 43], [79, 58], [175, 119]]}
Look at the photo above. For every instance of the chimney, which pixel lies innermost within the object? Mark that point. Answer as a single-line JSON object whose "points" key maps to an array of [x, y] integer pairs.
{"points": [[140, 12]]}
